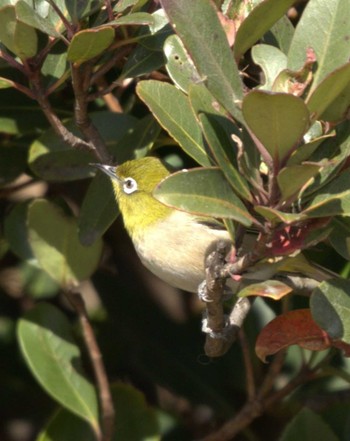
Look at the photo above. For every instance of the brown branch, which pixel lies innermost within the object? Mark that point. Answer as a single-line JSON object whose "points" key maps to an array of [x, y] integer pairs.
{"points": [[215, 320], [104, 392], [81, 76], [54, 120]]}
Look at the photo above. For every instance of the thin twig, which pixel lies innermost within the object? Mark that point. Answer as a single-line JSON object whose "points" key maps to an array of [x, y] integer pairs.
{"points": [[81, 76], [248, 366], [104, 392]]}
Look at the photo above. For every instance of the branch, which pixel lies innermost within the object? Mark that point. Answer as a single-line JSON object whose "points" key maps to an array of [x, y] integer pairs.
{"points": [[104, 392], [221, 330], [55, 122], [215, 320], [81, 76]]}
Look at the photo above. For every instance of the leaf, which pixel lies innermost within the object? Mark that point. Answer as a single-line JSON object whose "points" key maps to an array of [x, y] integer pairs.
{"points": [[291, 328], [308, 426], [280, 34], [293, 179], [340, 236], [172, 110], [332, 199], [54, 160], [26, 14], [272, 289], [220, 146], [138, 141], [258, 22], [89, 43], [274, 215], [136, 18], [17, 36], [15, 229], [179, 65], [271, 60], [202, 191], [65, 426], [330, 306], [98, 210], [135, 420], [148, 54], [323, 27], [5, 83], [47, 344], [54, 240], [197, 24], [333, 85], [278, 120]]}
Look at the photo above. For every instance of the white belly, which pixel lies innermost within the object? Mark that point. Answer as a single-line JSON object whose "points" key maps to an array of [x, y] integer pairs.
{"points": [[178, 258]]}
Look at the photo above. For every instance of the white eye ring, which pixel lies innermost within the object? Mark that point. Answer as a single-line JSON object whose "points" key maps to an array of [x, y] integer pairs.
{"points": [[129, 185]]}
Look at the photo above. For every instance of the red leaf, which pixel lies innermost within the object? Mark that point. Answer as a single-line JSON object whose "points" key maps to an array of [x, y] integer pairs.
{"points": [[292, 328]]}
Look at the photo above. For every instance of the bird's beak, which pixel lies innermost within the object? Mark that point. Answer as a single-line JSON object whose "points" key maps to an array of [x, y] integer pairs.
{"points": [[108, 169]]}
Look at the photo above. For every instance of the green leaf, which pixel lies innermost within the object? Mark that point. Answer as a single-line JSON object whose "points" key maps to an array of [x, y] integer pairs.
{"points": [[336, 84], [47, 344], [65, 426], [291, 180], [330, 307], [278, 120], [135, 419], [280, 34], [324, 27], [333, 199], [259, 21], [148, 54], [54, 240], [308, 426], [26, 14], [89, 43], [55, 69], [54, 160], [138, 141], [278, 216], [98, 210], [271, 60], [172, 110], [16, 232], [340, 236], [5, 83], [179, 65], [17, 36], [221, 147], [197, 24], [136, 18], [202, 191]]}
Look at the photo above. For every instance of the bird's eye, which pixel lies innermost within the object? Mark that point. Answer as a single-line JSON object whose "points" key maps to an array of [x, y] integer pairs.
{"points": [[129, 185]]}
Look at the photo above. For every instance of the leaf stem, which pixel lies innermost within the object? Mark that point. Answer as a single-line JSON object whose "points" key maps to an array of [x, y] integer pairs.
{"points": [[105, 397]]}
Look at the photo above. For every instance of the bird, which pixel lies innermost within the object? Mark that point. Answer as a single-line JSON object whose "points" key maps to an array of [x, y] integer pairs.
{"points": [[171, 243]]}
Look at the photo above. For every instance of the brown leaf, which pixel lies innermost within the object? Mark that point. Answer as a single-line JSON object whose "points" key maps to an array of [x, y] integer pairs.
{"points": [[292, 328]]}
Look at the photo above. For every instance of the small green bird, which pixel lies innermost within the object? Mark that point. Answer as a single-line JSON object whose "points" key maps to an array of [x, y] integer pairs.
{"points": [[171, 243]]}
